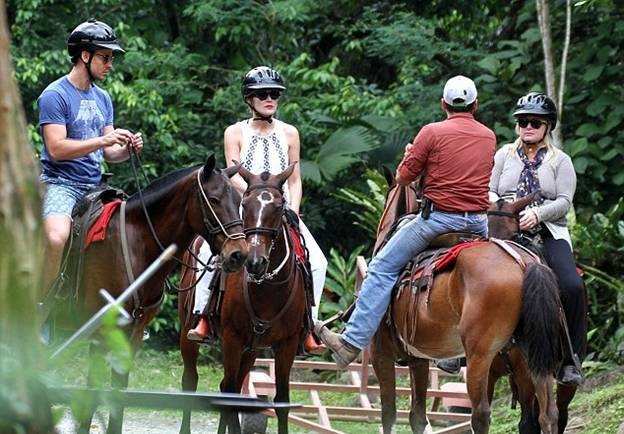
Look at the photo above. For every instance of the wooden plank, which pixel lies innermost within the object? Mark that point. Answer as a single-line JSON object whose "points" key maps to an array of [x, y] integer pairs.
{"points": [[304, 423], [336, 411], [330, 366], [325, 387], [322, 412], [455, 429]]}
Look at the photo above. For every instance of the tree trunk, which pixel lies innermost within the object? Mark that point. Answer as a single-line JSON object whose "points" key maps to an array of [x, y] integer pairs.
{"points": [[543, 20], [20, 258]]}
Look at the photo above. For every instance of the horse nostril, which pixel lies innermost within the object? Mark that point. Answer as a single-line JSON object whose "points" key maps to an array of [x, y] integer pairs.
{"points": [[237, 257], [257, 265]]}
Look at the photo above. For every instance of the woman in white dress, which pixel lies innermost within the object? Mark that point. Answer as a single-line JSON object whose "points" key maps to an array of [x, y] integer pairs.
{"points": [[263, 143]]}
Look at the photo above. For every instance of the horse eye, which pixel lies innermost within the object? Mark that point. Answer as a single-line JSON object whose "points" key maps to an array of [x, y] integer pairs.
{"points": [[213, 200]]}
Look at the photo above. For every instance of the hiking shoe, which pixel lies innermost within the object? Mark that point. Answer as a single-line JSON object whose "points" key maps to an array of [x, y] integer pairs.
{"points": [[451, 366], [343, 352], [570, 376]]}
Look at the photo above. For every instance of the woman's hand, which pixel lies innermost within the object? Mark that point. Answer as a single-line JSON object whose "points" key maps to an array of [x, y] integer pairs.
{"points": [[528, 219]]}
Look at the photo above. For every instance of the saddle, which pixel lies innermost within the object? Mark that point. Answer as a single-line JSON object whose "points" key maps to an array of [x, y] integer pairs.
{"points": [[419, 273], [84, 214]]}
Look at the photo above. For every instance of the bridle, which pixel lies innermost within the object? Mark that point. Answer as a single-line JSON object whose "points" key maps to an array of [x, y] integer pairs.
{"points": [[272, 233], [219, 227], [211, 228]]}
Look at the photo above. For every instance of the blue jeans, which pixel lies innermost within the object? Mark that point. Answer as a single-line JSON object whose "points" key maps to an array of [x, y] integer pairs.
{"points": [[386, 266]]}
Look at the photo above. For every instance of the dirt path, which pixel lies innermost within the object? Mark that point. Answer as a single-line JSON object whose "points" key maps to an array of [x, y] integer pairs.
{"points": [[143, 422]]}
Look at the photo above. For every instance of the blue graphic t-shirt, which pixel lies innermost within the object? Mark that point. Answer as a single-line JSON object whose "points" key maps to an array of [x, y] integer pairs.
{"points": [[84, 113]]}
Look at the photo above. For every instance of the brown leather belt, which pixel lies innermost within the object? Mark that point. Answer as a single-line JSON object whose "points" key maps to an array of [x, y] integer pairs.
{"points": [[436, 208]]}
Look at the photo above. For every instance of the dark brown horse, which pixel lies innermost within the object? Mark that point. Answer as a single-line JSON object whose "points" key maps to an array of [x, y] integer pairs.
{"points": [[504, 223], [263, 306], [475, 308], [193, 201]]}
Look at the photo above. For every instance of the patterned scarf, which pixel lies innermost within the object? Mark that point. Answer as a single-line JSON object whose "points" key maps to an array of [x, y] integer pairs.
{"points": [[528, 181]]}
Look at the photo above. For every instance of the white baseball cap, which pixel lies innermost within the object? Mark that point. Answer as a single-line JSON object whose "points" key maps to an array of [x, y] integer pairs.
{"points": [[459, 91]]}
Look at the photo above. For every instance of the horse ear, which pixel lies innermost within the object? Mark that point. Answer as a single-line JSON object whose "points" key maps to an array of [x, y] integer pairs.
{"points": [[209, 166], [282, 177], [246, 174], [387, 173], [522, 203], [232, 170]]}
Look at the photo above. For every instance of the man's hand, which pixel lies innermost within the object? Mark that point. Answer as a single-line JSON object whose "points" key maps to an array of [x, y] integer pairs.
{"points": [[117, 136], [137, 142], [528, 219]]}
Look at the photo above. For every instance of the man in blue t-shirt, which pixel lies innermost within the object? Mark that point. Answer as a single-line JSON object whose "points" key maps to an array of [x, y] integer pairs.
{"points": [[76, 120]]}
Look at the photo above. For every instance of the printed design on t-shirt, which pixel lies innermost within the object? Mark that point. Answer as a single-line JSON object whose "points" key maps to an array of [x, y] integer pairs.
{"points": [[88, 124]]}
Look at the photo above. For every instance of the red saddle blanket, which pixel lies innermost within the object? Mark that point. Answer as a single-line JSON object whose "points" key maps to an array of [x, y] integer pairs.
{"points": [[298, 248], [97, 231], [448, 260]]}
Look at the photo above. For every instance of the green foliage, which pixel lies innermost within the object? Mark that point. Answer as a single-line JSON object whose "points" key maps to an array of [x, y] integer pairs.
{"points": [[599, 244], [340, 282], [369, 205]]}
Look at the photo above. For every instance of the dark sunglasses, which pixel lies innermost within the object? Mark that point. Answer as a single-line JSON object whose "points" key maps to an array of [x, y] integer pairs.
{"points": [[264, 94], [106, 58], [535, 123]]}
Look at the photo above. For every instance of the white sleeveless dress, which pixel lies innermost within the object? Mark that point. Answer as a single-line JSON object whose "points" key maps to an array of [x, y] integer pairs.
{"points": [[268, 153]]}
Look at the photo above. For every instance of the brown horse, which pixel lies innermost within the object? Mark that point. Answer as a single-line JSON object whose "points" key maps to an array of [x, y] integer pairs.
{"points": [[475, 308], [503, 222], [191, 201], [263, 306]]}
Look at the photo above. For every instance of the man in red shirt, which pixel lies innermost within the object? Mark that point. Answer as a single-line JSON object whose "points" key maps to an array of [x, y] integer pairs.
{"points": [[456, 157]]}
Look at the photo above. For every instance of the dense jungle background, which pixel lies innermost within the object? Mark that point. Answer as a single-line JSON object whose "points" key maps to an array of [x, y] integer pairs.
{"points": [[362, 77]]}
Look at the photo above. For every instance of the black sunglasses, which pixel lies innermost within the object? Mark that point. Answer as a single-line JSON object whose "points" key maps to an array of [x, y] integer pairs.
{"points": [[106, 58], [264, 94], [535, 123]]}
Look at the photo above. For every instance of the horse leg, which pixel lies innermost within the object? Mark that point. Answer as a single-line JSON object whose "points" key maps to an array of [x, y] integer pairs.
{"points": [[119, 381], [95, 350], [565, 394], [383, 356], [419, 380], [529, 422], [232, 355], [548, 413], [190, 352], [477, 371], [285, 353]]}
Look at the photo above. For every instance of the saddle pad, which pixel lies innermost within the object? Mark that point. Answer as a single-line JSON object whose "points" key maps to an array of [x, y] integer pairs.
{"points": [[97, 231], [450, 257]]}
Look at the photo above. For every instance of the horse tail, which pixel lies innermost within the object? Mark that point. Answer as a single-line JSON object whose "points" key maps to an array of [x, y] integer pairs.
{"points": [[539, 337]]}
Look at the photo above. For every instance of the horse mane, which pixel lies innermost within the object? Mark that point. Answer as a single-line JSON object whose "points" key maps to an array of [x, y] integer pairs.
{"points": [[161, 187]]}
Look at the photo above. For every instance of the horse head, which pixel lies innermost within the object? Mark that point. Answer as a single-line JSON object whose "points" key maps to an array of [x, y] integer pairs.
{"points": [[263, 209], [400, 200], [215, 214], [504, 217]]}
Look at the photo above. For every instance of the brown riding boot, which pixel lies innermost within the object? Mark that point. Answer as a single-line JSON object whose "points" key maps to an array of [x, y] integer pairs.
{"points": [[201, 332], [311, 346]]}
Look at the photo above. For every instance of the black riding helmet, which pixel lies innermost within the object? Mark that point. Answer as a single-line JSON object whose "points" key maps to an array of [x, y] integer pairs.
{"points": [[90, 36], [261, 77], [538, 104]]}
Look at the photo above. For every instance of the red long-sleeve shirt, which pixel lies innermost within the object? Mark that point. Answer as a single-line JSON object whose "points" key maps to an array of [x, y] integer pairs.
{"points": [[457, 156]]}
